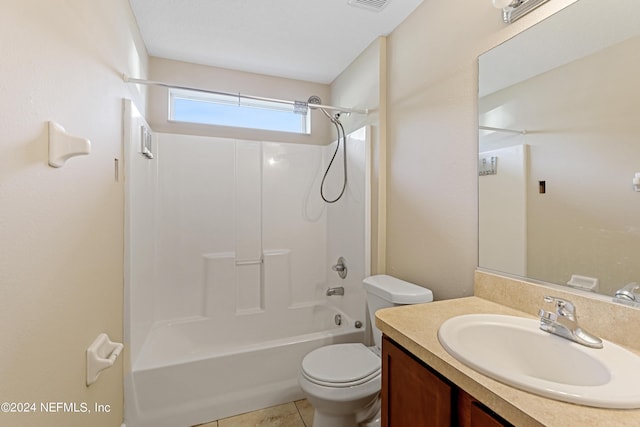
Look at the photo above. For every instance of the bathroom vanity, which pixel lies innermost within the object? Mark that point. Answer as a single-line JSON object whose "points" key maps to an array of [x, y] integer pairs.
{"points": [[424, 385], [413, 394]]}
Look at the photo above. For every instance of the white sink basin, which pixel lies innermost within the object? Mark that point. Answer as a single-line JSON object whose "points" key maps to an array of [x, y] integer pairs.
{"points": [[515, 351]]}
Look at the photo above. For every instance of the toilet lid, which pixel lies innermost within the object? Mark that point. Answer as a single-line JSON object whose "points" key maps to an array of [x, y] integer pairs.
{"points": [[341, 365]]}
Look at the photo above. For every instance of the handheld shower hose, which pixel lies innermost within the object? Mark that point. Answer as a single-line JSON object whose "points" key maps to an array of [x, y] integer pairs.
{"points": [[342, 139]]}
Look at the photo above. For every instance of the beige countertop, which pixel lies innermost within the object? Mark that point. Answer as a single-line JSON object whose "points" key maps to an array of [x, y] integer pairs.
{"points": [[415, 328]]}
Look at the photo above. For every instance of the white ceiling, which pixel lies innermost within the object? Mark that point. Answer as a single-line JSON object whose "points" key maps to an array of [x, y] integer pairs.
{"points": [[312, 40]]}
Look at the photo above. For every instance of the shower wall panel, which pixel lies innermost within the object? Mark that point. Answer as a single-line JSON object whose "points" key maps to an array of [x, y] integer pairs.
{"points": [[195, 216], [248, 227], [345, 220], [232, 214], [294, 217]]}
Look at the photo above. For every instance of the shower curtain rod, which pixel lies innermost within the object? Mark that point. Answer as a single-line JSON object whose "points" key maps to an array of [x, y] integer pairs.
{"points": [[523, 131], [295, 104]]}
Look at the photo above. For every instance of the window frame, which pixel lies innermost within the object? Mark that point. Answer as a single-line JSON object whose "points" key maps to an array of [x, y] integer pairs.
{"points": [[229, 100]]}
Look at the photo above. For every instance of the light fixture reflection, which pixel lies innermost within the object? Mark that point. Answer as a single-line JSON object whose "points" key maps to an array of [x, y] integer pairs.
{"points": [[515, 9]]}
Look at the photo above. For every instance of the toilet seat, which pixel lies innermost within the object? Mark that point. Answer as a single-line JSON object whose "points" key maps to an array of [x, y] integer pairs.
{"points": [[341, 365]]}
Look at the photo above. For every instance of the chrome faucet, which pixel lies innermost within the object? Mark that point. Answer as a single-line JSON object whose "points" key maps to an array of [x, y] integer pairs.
{"points": [[561, 320], [338, 290], [629, 293]]}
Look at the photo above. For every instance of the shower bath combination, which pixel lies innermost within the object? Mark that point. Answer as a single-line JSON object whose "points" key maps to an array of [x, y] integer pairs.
{"points": [[342, 139], [218, 290]]}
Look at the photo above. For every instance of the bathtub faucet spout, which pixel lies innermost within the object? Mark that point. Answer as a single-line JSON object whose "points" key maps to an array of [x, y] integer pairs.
{"points": [[339, 290]]}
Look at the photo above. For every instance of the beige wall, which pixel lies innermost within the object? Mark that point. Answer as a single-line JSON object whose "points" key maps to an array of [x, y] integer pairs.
{"points": [[432, 139], [363, 85], [220, 79], [61, 279]]}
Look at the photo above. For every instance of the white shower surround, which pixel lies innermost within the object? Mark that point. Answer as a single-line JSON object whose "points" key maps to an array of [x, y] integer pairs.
{"points": [[198, 309]]}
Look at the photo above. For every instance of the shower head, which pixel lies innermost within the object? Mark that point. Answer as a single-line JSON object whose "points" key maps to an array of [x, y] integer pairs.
{"points": [[314, 99]]}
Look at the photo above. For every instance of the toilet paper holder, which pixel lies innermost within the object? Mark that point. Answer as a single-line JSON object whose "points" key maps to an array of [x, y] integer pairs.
{"points": [[101, 354]]}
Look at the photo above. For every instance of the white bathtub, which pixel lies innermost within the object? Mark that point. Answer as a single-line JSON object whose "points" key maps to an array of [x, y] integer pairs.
{"points": [[196, 371]]}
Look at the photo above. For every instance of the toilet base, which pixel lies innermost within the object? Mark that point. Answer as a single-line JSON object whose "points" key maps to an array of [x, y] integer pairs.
{"points": [[369, 416], [330, 420]]}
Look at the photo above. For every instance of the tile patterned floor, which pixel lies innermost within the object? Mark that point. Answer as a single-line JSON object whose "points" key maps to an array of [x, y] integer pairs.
{"points": [[293, 414]]}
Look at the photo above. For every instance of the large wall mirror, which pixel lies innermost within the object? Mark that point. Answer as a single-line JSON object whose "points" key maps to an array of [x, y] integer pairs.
{"points": [[559, 147]]}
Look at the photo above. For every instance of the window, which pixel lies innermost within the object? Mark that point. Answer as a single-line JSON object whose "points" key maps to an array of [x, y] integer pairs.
{"points": [[237, 111]]}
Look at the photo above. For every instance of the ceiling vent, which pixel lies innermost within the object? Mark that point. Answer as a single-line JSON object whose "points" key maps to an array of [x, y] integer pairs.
{"points": [[373, 5]]}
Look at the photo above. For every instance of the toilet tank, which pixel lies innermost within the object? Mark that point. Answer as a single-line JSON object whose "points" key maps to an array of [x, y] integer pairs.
{"points": [[387, 291]]}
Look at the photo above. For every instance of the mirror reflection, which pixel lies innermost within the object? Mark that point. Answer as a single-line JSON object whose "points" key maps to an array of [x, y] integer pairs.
{"points": [[559, 148]]}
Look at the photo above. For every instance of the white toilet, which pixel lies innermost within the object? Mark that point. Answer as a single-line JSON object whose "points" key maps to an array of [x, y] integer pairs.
{"points": [[343, 381]]}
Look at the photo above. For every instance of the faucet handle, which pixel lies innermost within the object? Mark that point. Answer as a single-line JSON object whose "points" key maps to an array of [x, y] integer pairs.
{"points": [[563, 307], [340, 268], [547, 316]]}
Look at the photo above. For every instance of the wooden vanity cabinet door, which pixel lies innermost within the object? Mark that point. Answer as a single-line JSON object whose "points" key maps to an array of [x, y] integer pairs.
{"points": [[472, 413], [481, 418], [412, 395]]}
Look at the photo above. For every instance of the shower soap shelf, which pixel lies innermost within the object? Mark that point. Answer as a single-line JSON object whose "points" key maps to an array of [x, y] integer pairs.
{"points": [[101, 354]]}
